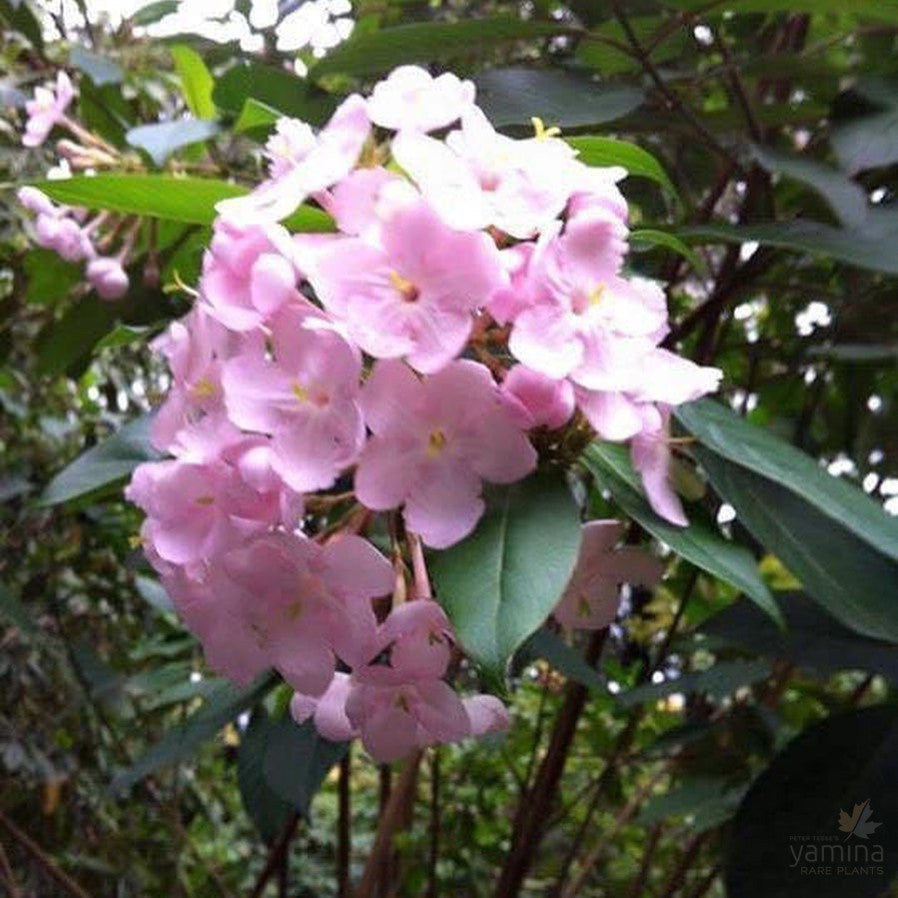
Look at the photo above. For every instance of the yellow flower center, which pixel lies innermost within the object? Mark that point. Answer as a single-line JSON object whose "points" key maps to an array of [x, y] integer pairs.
{"points": [[404, 287], [300, 392], [205, 500], [436, 443], [583, 609], [203, 389], [542, 132]]}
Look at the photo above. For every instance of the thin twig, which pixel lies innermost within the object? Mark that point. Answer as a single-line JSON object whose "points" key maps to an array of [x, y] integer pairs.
{"points": [[344, 826], [276, 855], [48, 865], [433, 887], [9, 878]]}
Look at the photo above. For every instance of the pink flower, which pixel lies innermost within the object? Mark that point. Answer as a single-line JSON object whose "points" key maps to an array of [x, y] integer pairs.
{"points": [[107, 276], [393, 720], [583, 320], [247, 275], [651, 457], [47, 110], [479, 178], [434, 442], [36, 201], [416, 634], [305, 398], [303, 164], [486, 714], [200, 505], [536, 400], [412, 294], [592, 596], [327, 711], [353, 202], [411, 99]]}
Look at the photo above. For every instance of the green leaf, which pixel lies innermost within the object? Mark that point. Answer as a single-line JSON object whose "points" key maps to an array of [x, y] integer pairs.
{"points": [[49, 278], [18, 16], [98, 68], [847, 199], [266, 808], [870, 248], [297, 760], [696, 543], [868, 138], [513, 96], [188, 200], [125, 335], [838, 542], [881, 10], [256, 115], [66, 341], [594, 52], [704, 801], [719, 681], [812, 639], [13, 611], [606, 151], [648, 238], [372, 52], [845, 760], [162, 139], [153, 12], [196, 81], [106, 463], [499, 585], [223, 706], [566, 660], [274, 88]]}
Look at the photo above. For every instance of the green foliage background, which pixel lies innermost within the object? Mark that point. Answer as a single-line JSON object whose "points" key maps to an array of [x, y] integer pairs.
{"points": [[747, 700]]}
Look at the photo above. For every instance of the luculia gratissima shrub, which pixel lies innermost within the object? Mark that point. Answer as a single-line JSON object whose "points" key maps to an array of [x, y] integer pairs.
{"points": [[470, 316]]}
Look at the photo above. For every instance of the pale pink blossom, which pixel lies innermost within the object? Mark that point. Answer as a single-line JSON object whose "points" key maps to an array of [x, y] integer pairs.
{"points": [[479, 178], [412, 293], [305, 398], [108, 277], [536, 400], [353, 203], [592, 596], [651, 457], [328, 711], [247, 273], [303, 164], [434, 442], [411, 99], [47, 109]]}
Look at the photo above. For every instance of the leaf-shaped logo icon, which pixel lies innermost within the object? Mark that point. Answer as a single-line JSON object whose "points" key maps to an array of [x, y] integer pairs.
{"points": [[858, 823]]}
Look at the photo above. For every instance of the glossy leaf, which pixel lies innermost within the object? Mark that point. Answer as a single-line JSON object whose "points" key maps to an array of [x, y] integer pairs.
{"points": [[223, 706], [372, 52], [840, 544], [196, 81], [696, 543], [812, 640], [868, 138], [513, 96], [104, 464], [153, 12], [719, 681], [648, 238], [499, 584], [797, 802], [607, 151]]}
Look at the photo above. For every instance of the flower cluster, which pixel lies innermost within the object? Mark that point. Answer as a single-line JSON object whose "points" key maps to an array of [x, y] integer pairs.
{"points": [[473, 296], [65, 230]]}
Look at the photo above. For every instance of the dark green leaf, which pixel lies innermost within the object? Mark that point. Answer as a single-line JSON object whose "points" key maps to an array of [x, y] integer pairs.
{"points": [[704, 801], [196, 81], [868, 139], [372, 52], [719, 681], [812, 639], [98, 68], [513, 96], [606, 151], [595, 52], [648, 238], [105, 463], [256, 116], [297, 760], [153, 12], [696, 543], [65, 342], [266, 808], [49, 277], [789, 820], [882, 10], [500, 583], [159, 141], [18, 16], [840, 544], [225, 704], [12, 611], [274, 88], [566, 660]]}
